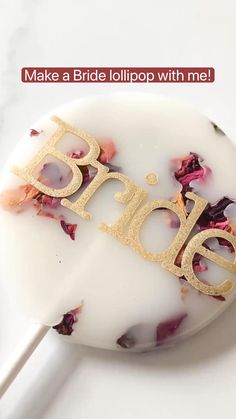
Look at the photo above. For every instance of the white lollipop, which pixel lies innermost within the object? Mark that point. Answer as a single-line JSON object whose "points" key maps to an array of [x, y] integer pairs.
{"points": [[117, 222]]}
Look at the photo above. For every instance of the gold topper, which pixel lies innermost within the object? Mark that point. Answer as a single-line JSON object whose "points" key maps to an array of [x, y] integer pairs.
{"points": [[127, 227]]}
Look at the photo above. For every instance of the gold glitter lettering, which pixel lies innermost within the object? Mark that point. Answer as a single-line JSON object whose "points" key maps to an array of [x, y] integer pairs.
{"points": [[132, 196], [49, 149], [168, 256], [196, 246]]}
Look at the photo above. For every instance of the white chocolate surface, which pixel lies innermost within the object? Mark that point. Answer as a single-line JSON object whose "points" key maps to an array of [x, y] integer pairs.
{"points": [[50, 274]]}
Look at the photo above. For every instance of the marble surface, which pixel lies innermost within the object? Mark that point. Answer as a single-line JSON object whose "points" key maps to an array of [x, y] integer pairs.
{"points": [[197, 379]]}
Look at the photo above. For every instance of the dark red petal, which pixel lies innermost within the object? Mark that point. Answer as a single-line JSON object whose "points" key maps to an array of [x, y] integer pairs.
{"points": [[65, 327], [213, 217], [218, 297], [69, 229], [191, 169], [166, 329], [214, 213], [199, 264], [34, 132], [50, 201]]}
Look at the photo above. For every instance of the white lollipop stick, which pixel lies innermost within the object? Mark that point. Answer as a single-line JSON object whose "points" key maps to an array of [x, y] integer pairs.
{"points": [[20, 355]]}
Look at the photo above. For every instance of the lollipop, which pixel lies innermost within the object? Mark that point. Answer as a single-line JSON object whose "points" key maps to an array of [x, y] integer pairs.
{"points": [[117, 222]]}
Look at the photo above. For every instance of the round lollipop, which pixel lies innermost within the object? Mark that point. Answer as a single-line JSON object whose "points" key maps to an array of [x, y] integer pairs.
{"points": [[117, 222]]}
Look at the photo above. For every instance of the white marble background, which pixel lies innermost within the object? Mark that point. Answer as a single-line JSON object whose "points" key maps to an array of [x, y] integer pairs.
{"points": [[61, 381]]}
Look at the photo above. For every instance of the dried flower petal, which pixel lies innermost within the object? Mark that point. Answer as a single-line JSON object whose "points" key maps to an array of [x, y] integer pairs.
{"points": [[65, 327], [126, 341], [17, 199], [213, 214], [76, 154], [218, 297], [108, 151], [49, 201], [34, 132], [191, 169], [199, 264], [213, 217], [163, 331], [166, 329], [224, 242], [27, 195], [69, 229]]}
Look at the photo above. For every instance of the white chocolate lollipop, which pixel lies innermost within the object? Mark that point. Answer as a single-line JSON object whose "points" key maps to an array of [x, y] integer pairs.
{"points": [[117, 221]]}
